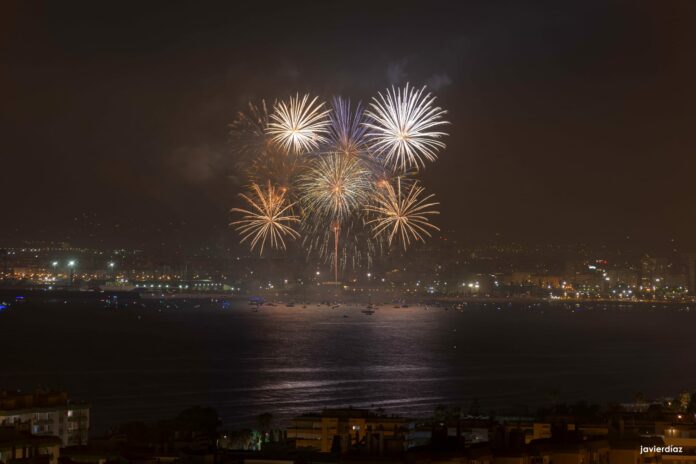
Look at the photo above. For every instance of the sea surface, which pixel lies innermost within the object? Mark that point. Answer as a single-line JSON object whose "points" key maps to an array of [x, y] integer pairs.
{"points": [[145, 363]]}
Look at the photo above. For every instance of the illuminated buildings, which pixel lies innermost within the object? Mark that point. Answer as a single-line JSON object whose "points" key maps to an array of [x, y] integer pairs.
{"points": [[339, 429], [617, 435], [45, 413], [442, 268]]}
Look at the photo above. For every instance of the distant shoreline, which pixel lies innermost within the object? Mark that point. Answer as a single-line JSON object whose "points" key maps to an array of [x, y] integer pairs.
{"points": [[386, 298]]}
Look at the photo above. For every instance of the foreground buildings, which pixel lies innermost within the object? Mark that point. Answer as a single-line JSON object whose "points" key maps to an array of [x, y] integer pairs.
{"points": [[338, 430], [45, 413], [646, 434], [17, 447], [33, 430]]}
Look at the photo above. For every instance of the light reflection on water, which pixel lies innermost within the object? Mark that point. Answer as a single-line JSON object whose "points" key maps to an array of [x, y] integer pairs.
{"points": [[293, 360]]}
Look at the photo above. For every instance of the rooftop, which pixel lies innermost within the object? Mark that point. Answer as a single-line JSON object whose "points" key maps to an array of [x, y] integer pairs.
{"points": [[15, 400]]}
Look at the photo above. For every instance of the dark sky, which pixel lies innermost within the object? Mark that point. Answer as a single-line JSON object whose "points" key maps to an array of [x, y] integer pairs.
{"points": [[571, 121]]}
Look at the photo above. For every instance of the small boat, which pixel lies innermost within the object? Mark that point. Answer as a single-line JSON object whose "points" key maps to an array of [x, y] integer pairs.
{"points": [[369, 312]]}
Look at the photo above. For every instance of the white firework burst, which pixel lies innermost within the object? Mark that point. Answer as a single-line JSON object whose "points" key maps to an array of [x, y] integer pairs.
{"points": [[403, 127], [299, 125]]}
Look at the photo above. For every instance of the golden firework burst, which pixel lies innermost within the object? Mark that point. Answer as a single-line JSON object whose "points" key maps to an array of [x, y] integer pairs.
{"points": [[402, 215], [269, 218]]}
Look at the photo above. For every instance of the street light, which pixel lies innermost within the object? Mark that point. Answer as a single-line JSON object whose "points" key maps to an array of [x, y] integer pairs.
{"points": [[71, 266]]}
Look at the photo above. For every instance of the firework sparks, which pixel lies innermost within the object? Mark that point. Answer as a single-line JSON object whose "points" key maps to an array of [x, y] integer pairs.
{"points": [[356, 247], [335, 186], [275, 166], [402, 127], [299, 125], [346, 129], [248, 130], [402, 216], [268, 219], [343, 177]]}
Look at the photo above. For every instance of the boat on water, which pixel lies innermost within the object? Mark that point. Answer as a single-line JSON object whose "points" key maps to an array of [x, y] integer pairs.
{"points": [[369, 312]]}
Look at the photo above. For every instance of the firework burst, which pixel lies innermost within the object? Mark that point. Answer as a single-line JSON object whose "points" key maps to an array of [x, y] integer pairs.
{"points": [[334, 189], [275, 166], [346, 130], [403, 126], [343, 178], [299, 125], [334, 186], [404, 216], [269, 218], [248, 130]]}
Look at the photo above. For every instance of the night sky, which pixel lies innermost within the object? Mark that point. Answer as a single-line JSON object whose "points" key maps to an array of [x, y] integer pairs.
{"points": [[571, 121]]}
